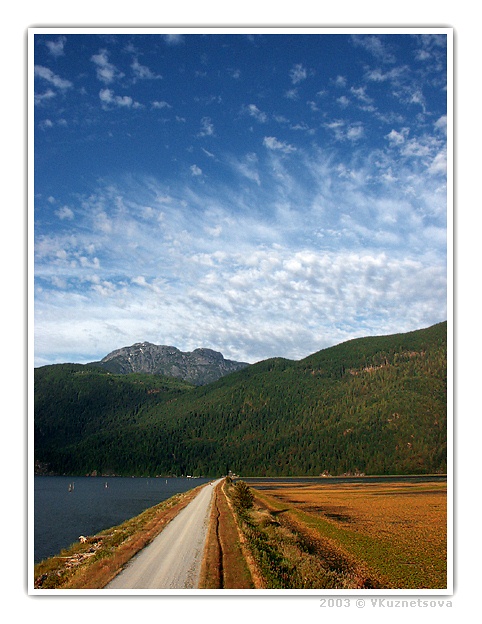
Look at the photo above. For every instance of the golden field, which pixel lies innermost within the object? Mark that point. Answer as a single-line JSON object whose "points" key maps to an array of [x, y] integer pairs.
{"points": [[394, 533]]}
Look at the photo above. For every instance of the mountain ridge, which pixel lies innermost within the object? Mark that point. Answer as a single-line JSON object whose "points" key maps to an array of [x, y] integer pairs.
{"points": [[199, 367]]}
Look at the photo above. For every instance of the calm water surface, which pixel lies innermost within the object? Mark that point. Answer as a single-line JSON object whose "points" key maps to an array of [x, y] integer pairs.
{"points": [[67, 507]]}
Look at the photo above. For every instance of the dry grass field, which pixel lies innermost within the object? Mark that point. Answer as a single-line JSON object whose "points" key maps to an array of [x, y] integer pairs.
{"points": [[393, 535]]}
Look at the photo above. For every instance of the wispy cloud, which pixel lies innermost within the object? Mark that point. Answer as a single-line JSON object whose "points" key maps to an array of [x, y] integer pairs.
{"points": [[141, 72], [49, 76], [173, 39], [56, 48], [65, 213], [327, 254], [298, 73], [272, 143], [377, 46], [253, 111], [247, 167], [254, 216], [207, 127], [161, 104], [41, 98], [195, 170], [108, 99], [106, 71]]}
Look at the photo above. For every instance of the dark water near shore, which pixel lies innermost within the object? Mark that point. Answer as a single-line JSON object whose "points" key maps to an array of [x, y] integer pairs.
{"points": [[61, 516]]}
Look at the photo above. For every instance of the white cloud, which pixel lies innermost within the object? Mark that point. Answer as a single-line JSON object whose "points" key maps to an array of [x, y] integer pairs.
{"points": [[208, 153], [303, 244], [334, 125], [441, 124], [161, 104], [416, 147], [393, 75], [173, 39], [247, 167], [92, 263], [195, 170], [397, 138], [376, 45], [344, 131], [65, 213], [343, 101], [422, 55], [48, 75], [46, 124], [207, 127], [40, 98], [142, 72], [155, 285], [272, 143], [297, 73], [59, 282], [438, 166], [271, 302], [292, 94], [108, 97], [417, 97], [283, 268], [253, 111], [360, 94], [355, 132], [106, 71], [56, 48], [214, 231]]}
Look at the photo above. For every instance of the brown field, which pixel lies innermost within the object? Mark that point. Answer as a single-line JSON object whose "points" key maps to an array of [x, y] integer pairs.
{"points": [[389, 535]]}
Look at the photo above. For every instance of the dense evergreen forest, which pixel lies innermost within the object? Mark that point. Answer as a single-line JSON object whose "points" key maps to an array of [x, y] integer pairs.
{"points": [[374, 405]]}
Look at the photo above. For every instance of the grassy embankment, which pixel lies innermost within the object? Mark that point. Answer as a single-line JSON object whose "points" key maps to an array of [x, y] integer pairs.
{"points": [[348, 536], [91, 565]]}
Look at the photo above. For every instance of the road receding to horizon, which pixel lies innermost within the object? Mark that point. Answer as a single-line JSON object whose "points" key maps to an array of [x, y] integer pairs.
{"points": [[173, 559]]}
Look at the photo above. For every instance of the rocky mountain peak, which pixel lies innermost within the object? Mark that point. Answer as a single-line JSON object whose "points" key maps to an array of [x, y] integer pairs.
{"points": [[199, 367]]}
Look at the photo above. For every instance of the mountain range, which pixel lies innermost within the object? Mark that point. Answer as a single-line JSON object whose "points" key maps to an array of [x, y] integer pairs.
{"points": [[199, 367], [374, 405]]}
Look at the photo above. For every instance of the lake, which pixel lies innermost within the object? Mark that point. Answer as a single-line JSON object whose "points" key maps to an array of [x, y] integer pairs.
{"points": [[67, 507]]}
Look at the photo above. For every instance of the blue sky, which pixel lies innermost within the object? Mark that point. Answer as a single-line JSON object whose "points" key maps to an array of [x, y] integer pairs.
{"points": [[258, 194]]}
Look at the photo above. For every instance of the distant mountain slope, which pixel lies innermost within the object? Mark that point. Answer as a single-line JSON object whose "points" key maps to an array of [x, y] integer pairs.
{"points": [[199, 367], [375, 405]]}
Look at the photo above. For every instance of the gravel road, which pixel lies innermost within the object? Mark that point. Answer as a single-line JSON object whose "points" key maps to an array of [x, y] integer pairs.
{"points": [[173, 559]]}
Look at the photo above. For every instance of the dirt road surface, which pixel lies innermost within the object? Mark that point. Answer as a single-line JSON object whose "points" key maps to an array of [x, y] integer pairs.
{"points": [[173, 559]]}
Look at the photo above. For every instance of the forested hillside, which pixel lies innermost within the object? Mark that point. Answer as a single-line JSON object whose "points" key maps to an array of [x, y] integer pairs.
{"points": [[375, 405]]}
